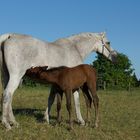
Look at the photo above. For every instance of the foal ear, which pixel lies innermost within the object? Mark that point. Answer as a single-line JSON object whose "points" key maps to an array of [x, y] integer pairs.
{"points": [[44, 68]]}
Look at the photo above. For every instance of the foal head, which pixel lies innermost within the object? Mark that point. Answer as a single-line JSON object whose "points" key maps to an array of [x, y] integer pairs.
{"points": [[35, 71]]}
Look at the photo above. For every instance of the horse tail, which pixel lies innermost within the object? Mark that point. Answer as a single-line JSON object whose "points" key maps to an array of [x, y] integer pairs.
{"points": [[3, 38]]}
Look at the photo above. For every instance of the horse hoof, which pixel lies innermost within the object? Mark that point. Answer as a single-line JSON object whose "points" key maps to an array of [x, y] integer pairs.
{"points": [[8, 128], [6, 125], [46, 119], [14, 123], [82, 123]]}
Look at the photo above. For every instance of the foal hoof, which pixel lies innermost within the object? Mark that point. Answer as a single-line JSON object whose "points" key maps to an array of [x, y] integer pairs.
{"points": [[59, 122], [87, 123], [16, 124], [96, 125], [70, 128]]}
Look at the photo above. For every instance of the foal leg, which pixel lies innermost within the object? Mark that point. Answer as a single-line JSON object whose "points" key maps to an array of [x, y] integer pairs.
{"points": [[96, 104], [88, 100], [50, 102], [68, 105], [59, 102], [7, 113], [77, 107]]}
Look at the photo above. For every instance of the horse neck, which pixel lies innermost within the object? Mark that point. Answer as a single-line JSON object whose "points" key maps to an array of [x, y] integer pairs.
{"points": [[85, 47]]}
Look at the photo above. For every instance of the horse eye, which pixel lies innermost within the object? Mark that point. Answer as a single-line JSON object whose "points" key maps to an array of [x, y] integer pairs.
{"points": [[108, 43]]}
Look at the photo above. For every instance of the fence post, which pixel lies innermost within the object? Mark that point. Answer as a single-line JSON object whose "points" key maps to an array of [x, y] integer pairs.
{"points": [[129, 86], [104, 85]]}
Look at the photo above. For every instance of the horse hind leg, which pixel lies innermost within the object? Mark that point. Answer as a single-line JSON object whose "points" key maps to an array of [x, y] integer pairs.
{"points": [[50, 102], [4, 81], [7, 113]]}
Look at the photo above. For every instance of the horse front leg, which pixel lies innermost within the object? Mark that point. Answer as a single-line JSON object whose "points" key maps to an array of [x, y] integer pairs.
{"points": [[77, 108], [50, 102]]}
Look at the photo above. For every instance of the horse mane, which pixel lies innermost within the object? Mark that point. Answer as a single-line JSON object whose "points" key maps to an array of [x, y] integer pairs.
{"points": [[86, 35]]}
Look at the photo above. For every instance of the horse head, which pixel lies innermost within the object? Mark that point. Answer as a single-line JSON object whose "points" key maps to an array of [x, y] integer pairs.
{"points": [[104, 48]]}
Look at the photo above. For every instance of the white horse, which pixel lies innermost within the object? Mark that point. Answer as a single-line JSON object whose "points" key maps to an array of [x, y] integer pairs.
{"points": [[21, 52]]}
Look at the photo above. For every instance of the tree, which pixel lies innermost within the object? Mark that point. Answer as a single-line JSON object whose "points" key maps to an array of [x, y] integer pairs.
{"points": [[117, 75], [135, 80]]}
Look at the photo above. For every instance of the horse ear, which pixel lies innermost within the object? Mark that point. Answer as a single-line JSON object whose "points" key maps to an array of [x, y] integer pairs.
{"points": [[103, 34]]}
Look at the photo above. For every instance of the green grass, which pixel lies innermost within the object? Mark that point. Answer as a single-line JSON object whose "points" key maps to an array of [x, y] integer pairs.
{"points": [[119, 117]]}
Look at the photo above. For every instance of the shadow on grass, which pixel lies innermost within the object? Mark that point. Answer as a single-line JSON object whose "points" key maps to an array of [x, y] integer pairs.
{"points": [[37, 113]]}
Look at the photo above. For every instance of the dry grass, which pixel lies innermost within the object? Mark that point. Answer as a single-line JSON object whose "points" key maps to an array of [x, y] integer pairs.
{"points": [[119, 117]]}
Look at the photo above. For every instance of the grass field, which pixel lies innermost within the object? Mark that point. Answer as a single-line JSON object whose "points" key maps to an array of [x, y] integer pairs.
{"points": [[119, 117]]}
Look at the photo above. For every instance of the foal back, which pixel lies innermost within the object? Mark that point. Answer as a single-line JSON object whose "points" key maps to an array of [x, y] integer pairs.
{"points": [[75, 77]]}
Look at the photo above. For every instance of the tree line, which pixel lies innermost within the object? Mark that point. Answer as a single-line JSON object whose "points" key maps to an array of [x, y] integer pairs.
{"points": [[119, 75]]}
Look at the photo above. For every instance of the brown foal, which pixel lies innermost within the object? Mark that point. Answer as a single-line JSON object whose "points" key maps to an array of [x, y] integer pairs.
{"points": [[68, 80]]}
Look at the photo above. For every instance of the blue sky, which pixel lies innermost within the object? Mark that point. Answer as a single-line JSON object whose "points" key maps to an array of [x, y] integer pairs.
{"points": [[53, 19]]}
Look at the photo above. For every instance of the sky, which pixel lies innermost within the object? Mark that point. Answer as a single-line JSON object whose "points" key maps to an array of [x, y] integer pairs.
{"points": [[52, 19]]}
